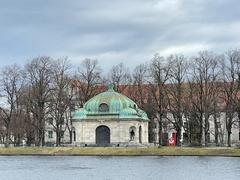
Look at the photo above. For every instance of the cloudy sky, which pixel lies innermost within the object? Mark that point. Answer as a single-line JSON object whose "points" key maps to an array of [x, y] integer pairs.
{"points": [[129, 31]]}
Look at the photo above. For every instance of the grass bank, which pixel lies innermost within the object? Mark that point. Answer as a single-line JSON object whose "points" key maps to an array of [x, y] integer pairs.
{"points": [[111, 151]]}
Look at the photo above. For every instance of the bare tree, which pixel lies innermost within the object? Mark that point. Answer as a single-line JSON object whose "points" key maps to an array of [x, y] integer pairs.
{"points": [[139, 86], [11, 85], [159, 71], [25, 125], [61, 96], [203, 92], [139, 92], [176, 92], [231, 87], [89, 79], [120, 76], [39, 74]]}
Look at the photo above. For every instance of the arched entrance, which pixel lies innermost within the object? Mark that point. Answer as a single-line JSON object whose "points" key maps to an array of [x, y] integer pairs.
{"points": [[140, 134], [102, 136], [132, 133]]}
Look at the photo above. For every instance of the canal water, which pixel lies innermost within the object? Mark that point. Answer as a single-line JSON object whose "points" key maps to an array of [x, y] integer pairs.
{"points": [[118, 168]]}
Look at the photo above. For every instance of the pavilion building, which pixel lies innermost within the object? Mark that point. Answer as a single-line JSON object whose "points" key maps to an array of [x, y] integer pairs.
{"points": [[110, 119]]}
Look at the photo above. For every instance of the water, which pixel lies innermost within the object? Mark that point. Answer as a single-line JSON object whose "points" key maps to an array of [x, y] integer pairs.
{"points": [[119, 168]]}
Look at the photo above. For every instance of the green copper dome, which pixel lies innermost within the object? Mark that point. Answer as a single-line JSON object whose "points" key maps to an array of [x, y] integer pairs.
{"points": [[109, 105]]}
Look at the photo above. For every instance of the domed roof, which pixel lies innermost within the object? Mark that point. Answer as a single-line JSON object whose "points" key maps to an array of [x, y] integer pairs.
{"points": [[130, 113], [115, 101], [110, 104]]}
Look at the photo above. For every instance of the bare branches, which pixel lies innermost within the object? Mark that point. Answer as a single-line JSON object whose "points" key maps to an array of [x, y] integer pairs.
{"points": [[89, 76], [203, 89], [61, 96], [11, 86], [40, 76], [231, 87], [160, 73], [176, 92], [120, 75]]}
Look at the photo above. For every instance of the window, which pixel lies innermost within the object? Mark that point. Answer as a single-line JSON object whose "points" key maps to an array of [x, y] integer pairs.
{"points": [[50, 134], [103, 107]]}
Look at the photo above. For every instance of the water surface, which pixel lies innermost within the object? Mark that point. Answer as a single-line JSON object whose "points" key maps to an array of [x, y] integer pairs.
{"points": [[118, 168]]}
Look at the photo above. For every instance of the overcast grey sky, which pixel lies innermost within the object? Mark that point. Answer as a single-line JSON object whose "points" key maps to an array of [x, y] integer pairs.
{"points": [[129, 31]]}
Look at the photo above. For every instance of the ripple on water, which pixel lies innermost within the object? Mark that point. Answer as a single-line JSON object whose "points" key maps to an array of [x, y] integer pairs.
{"points": [[118, 168]]}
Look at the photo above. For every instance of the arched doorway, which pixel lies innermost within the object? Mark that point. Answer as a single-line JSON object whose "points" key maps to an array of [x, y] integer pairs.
{"points": [[140, 134], [132, 133], [102, 136]]}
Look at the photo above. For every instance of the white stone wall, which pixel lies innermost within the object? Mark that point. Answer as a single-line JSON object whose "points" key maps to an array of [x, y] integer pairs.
{"points": [[119, 131]]}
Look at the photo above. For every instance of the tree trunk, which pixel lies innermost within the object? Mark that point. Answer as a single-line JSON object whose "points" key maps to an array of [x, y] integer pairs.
{"points": [[41, 138], [179, 132], [216, 131], [206, 138], [18, 140], [160, 133], [29, 139], [7, 139], [58, 138], [7, 136], [216, 137], [206, 129], [229, 138], [200, 136]]}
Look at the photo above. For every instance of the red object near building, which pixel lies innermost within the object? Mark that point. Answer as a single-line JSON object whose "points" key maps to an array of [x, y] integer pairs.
{"points": [[172, 141]]}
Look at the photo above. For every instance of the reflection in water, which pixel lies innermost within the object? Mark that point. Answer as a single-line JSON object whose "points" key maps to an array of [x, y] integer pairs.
{"points": [[119, 168]]}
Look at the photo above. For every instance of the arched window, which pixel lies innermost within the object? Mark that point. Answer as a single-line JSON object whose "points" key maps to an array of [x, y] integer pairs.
{"points": [[103, 107]]}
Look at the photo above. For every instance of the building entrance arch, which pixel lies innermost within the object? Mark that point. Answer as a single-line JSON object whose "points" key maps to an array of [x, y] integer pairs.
{"points": [[102, 135]]}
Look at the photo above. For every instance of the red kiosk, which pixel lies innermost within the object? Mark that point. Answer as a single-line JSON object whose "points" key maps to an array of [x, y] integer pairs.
{"points": [[172, 141]]}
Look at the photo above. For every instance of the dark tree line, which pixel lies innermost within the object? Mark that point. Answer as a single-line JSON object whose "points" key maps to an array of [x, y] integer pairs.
{"points": [[185, 92]]}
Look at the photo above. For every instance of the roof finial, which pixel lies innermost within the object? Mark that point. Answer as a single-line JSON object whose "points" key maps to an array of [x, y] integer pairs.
{"points": [[111, 87]]}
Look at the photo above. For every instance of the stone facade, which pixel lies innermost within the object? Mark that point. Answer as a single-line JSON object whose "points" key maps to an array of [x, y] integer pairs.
{"points": [[119, 132]]}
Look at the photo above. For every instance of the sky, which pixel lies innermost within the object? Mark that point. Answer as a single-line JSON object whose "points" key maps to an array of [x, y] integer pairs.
{"points": [[111, 31]]}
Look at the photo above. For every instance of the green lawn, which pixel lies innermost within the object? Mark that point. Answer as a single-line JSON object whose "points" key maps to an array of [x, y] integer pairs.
{"points": [[164, 151]]}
